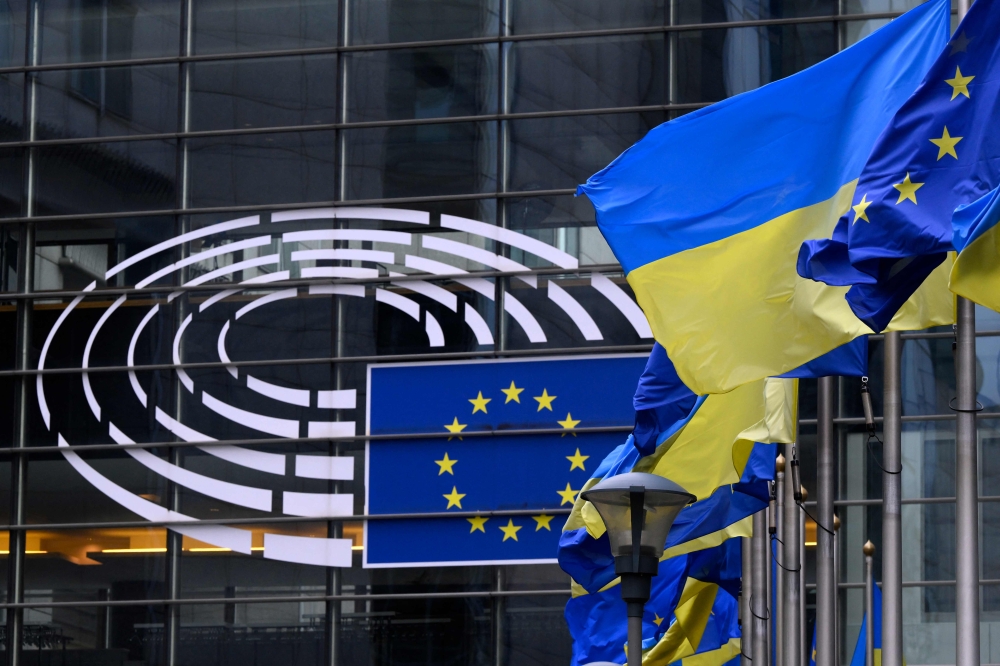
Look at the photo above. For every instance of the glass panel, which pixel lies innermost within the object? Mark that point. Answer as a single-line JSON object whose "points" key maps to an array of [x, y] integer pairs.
{"points": [[292, 167], [928, 374], [715, 11], [230, 26], [106, 177], [107, 101], [96, 30], [537, 631], [92, 635], [990, 512], [534, 16], [11, 107], [423, 160], [595, 72], [13, 29], [10, 182], [865, 6], [383, 21], [422, 83], [270, 92], [552, 153]]}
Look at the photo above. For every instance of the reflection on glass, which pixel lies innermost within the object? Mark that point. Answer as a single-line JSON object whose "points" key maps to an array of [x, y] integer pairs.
{"points": [[928, 376], [230, 26], [271, 92], [537, 631], [12, 27], [422, 83], [96, 30], [385, 21], [11, 107], [10, 182], [713, 11], [597, 72], [534, 16]]}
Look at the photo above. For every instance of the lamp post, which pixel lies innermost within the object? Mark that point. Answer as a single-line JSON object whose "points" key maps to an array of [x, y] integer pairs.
{"points": [[638, 510]]}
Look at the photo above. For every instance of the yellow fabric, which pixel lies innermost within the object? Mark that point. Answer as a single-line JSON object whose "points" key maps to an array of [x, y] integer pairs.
{"points": [[684, 635], [976, 274], [741, 528], [932, 304], [735, 311], [715, 657]]}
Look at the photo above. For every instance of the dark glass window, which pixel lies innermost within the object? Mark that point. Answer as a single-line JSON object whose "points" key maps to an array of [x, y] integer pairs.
{"points": [[534, 16], [231, 26], [385, 21]]}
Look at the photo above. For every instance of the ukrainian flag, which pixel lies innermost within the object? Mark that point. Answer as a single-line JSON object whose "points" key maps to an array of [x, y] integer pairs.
{"points": [[976, 274], [707, 213]]}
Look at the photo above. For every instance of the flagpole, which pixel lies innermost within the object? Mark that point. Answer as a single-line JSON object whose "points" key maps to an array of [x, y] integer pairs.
{"points": [[869, 551], [826, 584], [759, 589], [792, 651], [779, 555], [892, 533], [746, 594], [804, 643], [966, 487]]}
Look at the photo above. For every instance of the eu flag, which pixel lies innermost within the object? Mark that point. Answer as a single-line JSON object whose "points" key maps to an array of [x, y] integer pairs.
{"points": [[941, 150], [463, 461]]}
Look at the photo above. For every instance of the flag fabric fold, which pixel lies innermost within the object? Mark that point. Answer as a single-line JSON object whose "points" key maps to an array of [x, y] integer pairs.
{"points": [[939, 152], [707, 212], [858, 658], [976, 273]]}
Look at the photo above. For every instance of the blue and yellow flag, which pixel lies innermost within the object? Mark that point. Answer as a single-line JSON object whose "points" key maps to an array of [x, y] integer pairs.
{"points": [[858, 658], [707, 212], [940, 151], [976, 274]]}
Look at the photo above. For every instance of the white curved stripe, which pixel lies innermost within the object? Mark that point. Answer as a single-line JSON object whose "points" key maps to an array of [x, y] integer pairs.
{"points": [[136, 387], [217, 535], [621, 300], [352, 213], [479, 255], [39, 385], [95, 407], [512, 238], [346, 254], [264, 300], [521, 315], [201, 256], [308, 550], [289, 396], [431, 291], [183, 238], [183, 376], [272, 463], [266, 424], [246, 496], [435, 335], [399, 302], [233, 268], [339, 289], [331, 429], [339, 272], [215, 298], [332, 468], [426, 265], [374, 235], [575, 312], [478, 325], [343, 399], [268, 277], [220, 346], [316, 505]]}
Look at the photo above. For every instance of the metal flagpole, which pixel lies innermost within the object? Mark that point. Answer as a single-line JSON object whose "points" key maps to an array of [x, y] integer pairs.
{"points": [[869, 551], [759, 589], [836, 590], [966, 491], [778, 554], [804, 642], [892, 534], [790, 562], [826, 480], [746, 592]]}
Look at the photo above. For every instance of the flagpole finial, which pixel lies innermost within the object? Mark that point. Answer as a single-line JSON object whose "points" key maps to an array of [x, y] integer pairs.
{"points": [[779, 464], [805, 493], [869, 549], [836, 522]]}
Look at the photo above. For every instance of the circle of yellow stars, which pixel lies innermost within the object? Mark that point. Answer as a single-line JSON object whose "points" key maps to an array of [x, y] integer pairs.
{"points": [[945, 143], [446, 465]]}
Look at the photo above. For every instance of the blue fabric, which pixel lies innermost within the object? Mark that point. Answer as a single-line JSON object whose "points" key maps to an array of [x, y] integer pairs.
{"points": [[742, 162], [660, 401], [850, 360], [887, 253], [973, 220], [858, 659]]}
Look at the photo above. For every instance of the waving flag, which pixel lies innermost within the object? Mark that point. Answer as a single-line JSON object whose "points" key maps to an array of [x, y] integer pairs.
{"points": [[707, 212], [940, 151], [976, 274], [858, 658]]}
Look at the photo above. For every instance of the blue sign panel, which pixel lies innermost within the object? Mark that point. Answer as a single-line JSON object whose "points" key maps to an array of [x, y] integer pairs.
{"points": [[457, 472]]}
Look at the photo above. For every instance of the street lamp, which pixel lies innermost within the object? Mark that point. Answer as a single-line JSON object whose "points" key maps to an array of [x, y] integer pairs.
{"points": [[638, 510]]}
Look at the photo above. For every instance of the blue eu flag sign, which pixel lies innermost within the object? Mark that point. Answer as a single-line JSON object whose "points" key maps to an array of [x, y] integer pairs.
{"points": [[475, 467]]}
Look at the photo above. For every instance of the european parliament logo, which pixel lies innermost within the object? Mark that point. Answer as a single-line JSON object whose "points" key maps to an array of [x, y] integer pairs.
{"points": [[486, 457]]}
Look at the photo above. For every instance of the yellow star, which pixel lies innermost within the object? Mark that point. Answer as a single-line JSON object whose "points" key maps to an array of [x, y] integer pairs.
{"points": [[568, 495], [959, 84], [907, 190], [446, 465], [545, 400], [569, 424], [512, 393], [577, 461], [477, 524], [455, 427], [657, 619], [946, 144], [859, 210], [542, 521], [454, 498], [479, 403], [509, 530]]}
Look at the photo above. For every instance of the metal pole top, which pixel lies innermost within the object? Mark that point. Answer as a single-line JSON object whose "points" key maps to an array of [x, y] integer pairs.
{"points": [[868, 549]]}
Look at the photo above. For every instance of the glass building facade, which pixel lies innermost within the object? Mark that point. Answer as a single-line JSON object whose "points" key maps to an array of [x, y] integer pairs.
{"points": [[215, 214]]}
